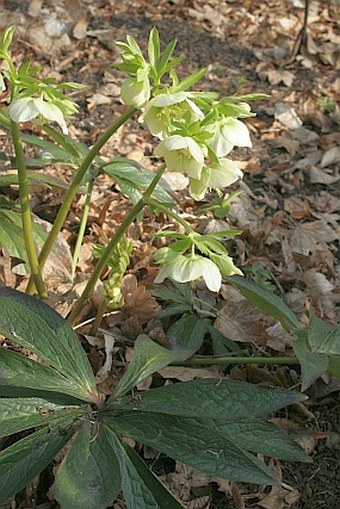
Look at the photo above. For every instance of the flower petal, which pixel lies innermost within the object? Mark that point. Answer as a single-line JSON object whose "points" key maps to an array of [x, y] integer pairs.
{"points": [[236, 132], [23, 110], [51, 112]]}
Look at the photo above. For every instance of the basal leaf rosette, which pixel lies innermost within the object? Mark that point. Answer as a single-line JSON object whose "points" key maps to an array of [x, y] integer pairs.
{"points": [[161, 112]]}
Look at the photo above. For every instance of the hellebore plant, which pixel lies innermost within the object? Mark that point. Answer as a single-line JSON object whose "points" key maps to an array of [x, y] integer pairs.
{"points": [[47, 388], [196, 130]]}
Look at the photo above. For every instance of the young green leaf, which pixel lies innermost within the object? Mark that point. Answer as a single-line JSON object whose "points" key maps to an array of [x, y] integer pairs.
{"points": [[140, 487], [154, 46], [19, 414], [34, 325], [195, 442], [265, 300], [148, 357], [89, 475], [228, 400], [19, 371], [190, 80], [24, 460]]}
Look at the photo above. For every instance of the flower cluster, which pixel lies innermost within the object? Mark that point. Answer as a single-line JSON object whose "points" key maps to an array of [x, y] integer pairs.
{"points": [[34, 98], [196, 131]]}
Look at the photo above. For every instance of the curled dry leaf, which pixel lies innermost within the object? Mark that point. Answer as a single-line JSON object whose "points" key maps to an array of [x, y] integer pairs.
{"points": [[137, 302]]}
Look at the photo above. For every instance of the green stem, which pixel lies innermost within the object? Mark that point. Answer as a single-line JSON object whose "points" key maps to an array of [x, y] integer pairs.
{"points": [[69, 196], [82, 228], [172, 214], [108, 251], [198, 360], [26, 212]]}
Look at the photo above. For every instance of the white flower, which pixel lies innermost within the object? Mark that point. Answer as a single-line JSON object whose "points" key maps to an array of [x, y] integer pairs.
{"points": [[190, 268], [28, 108], [182, 154], [135, 92], [227, 133], [216, 176], [164, 108]]}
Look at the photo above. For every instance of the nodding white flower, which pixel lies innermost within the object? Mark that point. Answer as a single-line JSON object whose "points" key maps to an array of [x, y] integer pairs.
{"points": [[227, 133], [164, 108], [182, 154], [189, 268], [135, 92], [216, 176], [28, 108]]}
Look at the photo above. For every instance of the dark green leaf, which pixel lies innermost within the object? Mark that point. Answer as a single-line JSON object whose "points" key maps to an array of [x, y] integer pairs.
{"points": [[262, 438], [18, 414], [19, 371], [11, 239], [23, 461], [312, 364], [34, 325], [334, 365], [195, 442], [323, 337], [140, 487], [89, 475], [51, 152], [228, 400], [221, 344], [148, 357], [137, 175], [175, 310], [265, 300], [8, 179], [187, 333]]}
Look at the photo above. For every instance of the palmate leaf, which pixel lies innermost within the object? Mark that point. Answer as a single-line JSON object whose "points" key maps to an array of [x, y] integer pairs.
{"points": [[18, 414], [196, 442], [148, 357], [229, 400], [265, 300], [23, 461], [89, 476], [17, 371], [140, 487], [32, 324]]}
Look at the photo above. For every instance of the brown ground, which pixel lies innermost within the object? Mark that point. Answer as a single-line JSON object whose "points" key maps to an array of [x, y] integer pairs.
{"points": [[289, 209]]}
